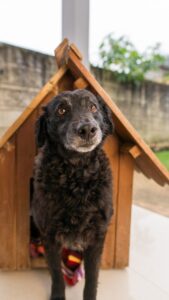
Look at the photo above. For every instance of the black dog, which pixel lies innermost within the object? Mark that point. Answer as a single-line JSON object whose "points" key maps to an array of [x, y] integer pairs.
{"points": [[72, 203]]}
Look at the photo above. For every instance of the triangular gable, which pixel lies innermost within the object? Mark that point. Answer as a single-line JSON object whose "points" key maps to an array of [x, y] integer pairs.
{"points": [[146, 160], [69, 58]]}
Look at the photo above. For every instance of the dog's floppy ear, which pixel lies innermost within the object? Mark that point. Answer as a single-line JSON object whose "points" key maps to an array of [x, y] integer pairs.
{"points": [[41, 128], [107, 116]]}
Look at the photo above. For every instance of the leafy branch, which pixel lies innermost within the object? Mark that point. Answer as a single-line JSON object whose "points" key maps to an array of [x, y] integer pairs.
{"points": [[128, 65]]}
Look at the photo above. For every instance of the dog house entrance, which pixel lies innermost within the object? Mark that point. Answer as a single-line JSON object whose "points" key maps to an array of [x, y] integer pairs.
{"points": [[36, 249]]}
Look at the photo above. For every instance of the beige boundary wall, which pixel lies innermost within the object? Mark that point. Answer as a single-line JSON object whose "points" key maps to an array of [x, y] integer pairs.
{"points": [[23, 72]]}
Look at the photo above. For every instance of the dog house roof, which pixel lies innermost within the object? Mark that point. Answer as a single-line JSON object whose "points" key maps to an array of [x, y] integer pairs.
{"points": [[69, 59]]}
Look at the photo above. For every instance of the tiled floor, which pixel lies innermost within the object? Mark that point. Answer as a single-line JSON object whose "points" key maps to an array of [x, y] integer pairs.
{"points": [[158, 197], [147, 278]]}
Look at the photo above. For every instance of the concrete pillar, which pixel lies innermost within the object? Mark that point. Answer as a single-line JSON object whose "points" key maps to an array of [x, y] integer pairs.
{"points": [[75, 25]]}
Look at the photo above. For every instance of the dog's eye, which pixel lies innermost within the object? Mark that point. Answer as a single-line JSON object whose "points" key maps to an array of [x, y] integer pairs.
{"points": [[93, 108], [61, 111]]}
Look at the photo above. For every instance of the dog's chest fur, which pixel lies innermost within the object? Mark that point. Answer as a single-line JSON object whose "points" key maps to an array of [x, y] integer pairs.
{"points": [[69, 200]]}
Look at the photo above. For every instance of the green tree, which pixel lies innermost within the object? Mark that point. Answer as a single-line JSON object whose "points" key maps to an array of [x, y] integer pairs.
{"points": [[128, 64]]}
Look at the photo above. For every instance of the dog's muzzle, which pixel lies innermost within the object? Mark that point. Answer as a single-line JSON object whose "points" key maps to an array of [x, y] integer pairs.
{"points": [[84, 137], [86, 131]]}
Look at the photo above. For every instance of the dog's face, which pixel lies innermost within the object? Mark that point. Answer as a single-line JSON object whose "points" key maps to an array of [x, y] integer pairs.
{"points": [[77, 120]]}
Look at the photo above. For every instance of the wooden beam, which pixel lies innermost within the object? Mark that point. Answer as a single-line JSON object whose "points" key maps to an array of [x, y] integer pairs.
{"points": [[80, 83], [8, 207], [25, 154], [134, 150], [76, 51], [66, 84], [111, 148], [125, 130], [124, 202], [38, 263], [61, 53]]}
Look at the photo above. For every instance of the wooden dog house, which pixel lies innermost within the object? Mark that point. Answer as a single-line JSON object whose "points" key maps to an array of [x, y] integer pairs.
{"points": [[126, 150]]}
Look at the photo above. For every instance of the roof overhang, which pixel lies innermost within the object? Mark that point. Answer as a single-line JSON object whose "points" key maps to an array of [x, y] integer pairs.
{"points": [[69, 58]]}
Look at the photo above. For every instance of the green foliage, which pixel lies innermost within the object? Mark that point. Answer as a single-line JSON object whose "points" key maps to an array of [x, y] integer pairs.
{"points": [[164, 158], [128, 65]]}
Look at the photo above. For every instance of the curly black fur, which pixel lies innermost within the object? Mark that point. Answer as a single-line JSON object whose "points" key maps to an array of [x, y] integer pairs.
{"points": [[72, 203]]}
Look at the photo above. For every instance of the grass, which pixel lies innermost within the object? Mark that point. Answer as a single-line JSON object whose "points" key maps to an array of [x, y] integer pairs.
{"points": [[164, 158]]}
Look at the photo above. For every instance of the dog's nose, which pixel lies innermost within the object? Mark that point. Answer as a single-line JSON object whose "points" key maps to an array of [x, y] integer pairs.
{"points": [[87, 131]]}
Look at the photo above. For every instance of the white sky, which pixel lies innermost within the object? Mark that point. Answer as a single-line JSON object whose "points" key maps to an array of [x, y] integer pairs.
{"points": [[36, 24]]}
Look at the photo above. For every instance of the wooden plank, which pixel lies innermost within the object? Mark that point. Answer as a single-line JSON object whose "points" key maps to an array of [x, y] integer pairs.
{"points": [[7, 207], [76, 51], [61, 53], [134, 150], [46, 100], [38, 263], [34, 103], [80, 83], [112, 151], [124, 202], [66, 84], [143, 163], [123, 127], [25, 153]]}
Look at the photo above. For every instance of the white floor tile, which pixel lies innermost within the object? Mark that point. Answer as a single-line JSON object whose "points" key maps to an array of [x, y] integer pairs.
{"points": [[114, 284], [128, 285], [149, 251], [147, 278]]}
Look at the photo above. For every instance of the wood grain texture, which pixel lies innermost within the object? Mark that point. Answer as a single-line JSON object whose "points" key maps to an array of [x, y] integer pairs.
{"points": [[123, 213], [46, 100], [124, 129], [134, 150], [80, 83], [25, 153], [17, 150], [76, 51], [111, 148], [61, 52], [38, 263], [7, 207], [66, 84]]}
